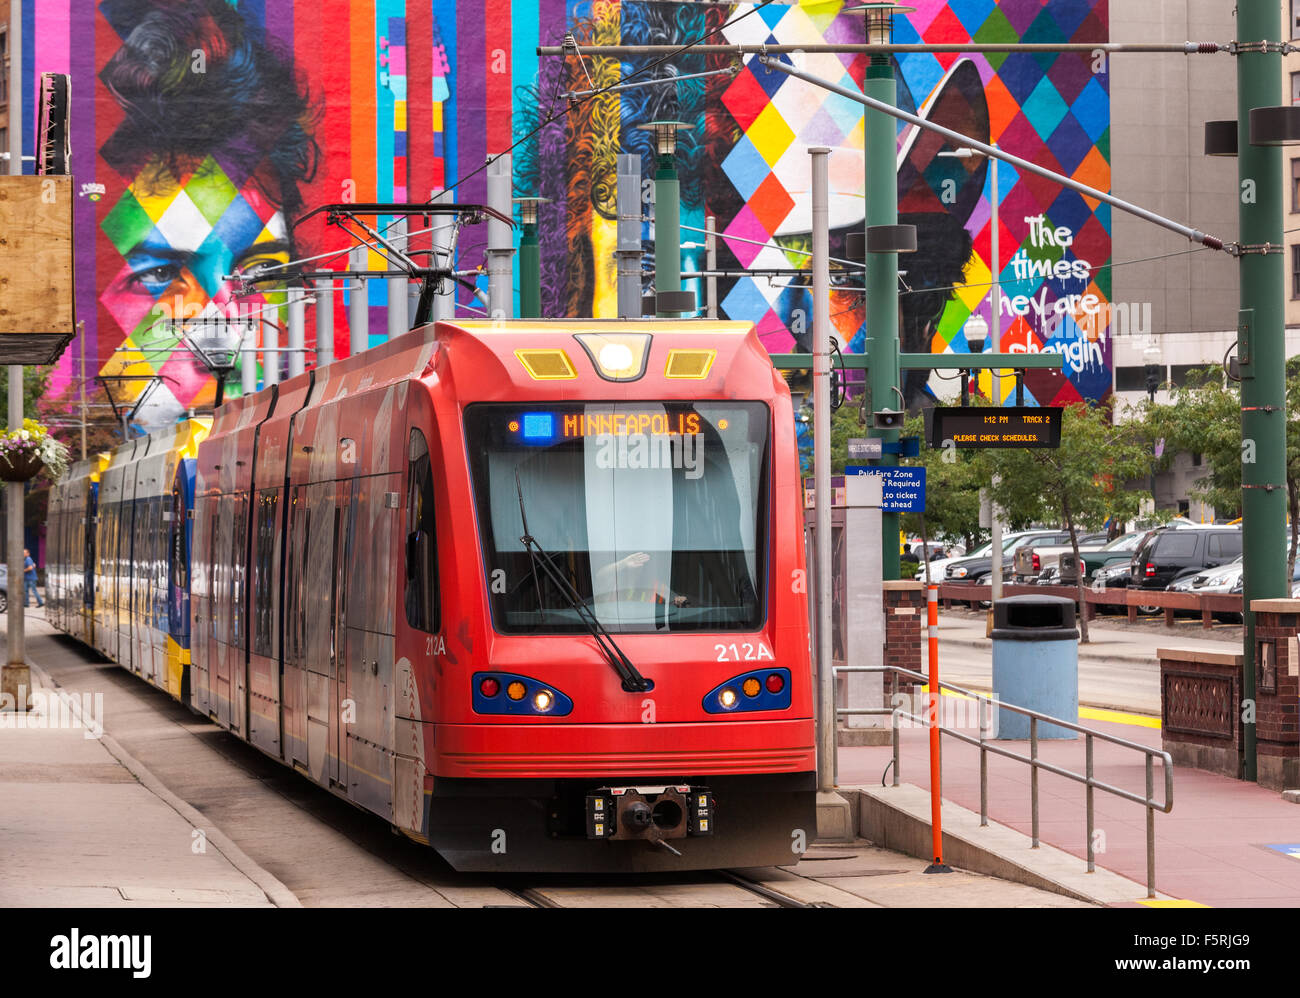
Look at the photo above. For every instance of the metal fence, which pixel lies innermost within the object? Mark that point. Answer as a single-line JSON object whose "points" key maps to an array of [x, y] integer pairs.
{"points": [[1087, 778]]}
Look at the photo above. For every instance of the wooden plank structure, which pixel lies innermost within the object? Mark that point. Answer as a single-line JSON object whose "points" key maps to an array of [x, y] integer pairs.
{"points": [[37, 317]]}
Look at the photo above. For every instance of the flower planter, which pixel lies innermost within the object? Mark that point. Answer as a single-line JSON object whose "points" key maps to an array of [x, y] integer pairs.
{"points": [[22, 468]]}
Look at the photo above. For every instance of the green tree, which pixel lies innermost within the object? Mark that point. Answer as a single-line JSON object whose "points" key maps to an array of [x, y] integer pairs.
{"points": [[36, 385], [1081, 484], [1204, 417]]}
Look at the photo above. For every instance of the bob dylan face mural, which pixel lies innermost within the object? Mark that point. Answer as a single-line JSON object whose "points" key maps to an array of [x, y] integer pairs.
{"points": [[215, 140]]}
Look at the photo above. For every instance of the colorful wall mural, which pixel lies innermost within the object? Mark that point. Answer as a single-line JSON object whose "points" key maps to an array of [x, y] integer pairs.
{"points": [[212, 126]]}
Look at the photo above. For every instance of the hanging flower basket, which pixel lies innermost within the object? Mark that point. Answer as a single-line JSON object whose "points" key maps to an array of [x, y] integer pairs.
{"points": [[25, 451], [24, 467]]}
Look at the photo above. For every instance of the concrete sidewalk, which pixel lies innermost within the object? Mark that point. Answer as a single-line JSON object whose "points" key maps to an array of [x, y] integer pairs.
{"points": [[78, 829]]}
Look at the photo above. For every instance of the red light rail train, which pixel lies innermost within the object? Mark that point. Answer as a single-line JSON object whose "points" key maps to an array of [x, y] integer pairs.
{"points": [[531, 591]]}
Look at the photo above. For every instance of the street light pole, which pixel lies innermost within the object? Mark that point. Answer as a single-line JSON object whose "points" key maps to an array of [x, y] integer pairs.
{"points": [[881, 187], [1153, 369], [17, 676], [1261, 336], [668, 217]]}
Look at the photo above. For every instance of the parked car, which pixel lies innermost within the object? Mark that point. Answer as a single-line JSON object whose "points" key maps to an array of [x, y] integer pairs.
{"points": [[4, 587], [1168, 555], [1116, 552], [1033, 560], [978, 569]]}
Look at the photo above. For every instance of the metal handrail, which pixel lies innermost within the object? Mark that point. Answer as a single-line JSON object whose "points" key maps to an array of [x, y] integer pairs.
{"points": [[1087, 778]]}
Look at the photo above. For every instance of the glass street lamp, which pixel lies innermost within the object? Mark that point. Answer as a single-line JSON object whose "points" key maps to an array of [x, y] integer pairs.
{"points": [[1151, 358], [530, 260], [668, 230], [880, 20]]}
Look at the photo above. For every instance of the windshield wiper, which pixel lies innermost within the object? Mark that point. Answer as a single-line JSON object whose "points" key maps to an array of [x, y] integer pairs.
{"points": [[633, 681]]}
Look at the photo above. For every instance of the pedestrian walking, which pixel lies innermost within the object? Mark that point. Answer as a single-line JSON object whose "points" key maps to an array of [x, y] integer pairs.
{"points": [[29, 579]]}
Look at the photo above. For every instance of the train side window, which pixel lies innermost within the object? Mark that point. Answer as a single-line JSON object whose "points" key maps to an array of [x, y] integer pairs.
{"points": [[268, 504], [422, 606]]}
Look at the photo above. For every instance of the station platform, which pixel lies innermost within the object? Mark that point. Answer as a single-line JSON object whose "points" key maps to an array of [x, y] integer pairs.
{"points": [[1226, 843], [83, 825]]}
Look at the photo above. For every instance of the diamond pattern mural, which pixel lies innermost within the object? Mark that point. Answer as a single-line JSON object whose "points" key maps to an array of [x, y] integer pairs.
{"points": [[204, 174]]}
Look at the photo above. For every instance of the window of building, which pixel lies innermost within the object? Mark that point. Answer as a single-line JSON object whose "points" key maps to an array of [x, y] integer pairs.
{"points": [[1295, 88], [1130, 379], [1295, 186], [1295, 271], [1295, 18]]}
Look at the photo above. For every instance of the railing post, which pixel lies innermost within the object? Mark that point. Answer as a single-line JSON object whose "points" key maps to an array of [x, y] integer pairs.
{"points": [[1151, 830], [984, 763], [1092, 855], [1033, 776], [896, 753]]}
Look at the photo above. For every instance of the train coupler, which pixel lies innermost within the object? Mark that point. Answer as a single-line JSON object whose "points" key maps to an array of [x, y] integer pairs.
{"points": [[649, 814]]}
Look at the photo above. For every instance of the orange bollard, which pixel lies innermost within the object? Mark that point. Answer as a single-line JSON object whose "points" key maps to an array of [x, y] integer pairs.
{"points": [[936, 817]]}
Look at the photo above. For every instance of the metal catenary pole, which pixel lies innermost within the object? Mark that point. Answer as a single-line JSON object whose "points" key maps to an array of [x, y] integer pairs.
{"points": [[17, 659], [1261, 340], [882, 279], [822, 463]]}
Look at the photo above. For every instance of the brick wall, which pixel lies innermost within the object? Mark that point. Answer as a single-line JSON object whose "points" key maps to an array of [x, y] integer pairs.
{"points": [[1200, 710], [904, 603], [1277, 693]]}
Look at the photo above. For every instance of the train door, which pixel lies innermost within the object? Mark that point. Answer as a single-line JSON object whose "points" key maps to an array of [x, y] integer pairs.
{"points": [[237, 650], [319, 532], [122, 575], [345, 708], [203, 605], [89, 527], [293, 674], [264, 691], [369, 674]]}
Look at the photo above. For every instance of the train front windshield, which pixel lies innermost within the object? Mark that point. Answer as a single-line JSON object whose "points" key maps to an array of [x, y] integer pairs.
{"points": [[652, 515]]}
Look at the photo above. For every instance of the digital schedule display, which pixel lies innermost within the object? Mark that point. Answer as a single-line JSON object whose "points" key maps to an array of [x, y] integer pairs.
{"points": [[996, 426]]}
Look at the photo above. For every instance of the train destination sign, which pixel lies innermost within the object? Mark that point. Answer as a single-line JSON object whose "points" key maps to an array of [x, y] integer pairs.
{"points": [[996, 426]]}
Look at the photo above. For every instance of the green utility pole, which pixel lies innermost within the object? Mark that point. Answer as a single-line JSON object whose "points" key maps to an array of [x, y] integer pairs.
{"points": [[530, 274], [1261, 338], [882, 278]]}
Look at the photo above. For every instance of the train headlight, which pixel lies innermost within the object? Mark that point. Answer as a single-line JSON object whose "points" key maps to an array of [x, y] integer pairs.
{"points": [[525, 696], [616, 358], [768, 689]]}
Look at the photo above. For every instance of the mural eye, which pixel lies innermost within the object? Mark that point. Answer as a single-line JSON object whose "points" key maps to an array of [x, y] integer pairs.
{"points": [[156, 279], [263, 266]]}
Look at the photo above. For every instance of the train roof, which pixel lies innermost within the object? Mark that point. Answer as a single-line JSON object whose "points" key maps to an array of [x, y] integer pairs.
{"points": [[488, 357]]}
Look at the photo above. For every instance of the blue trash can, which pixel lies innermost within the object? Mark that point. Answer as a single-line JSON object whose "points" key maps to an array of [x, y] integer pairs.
{"points": [[1035, 664]]}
